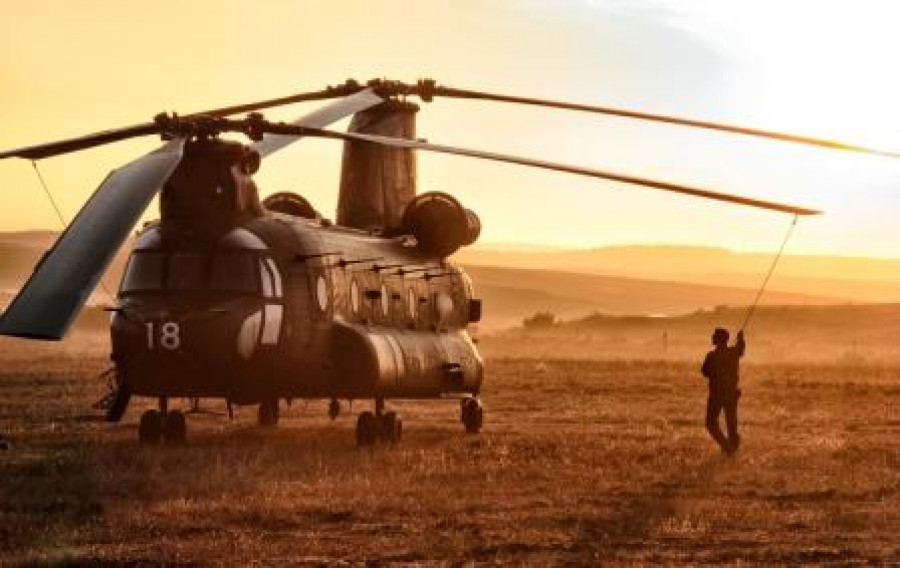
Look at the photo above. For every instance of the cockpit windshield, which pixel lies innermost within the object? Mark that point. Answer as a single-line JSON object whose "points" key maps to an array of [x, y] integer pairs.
{"points": [[234, 273], [186, 271], [144, 272], [227, 271]]}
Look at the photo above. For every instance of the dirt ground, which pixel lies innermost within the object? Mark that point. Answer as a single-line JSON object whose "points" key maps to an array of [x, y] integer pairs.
{"points": [[580, 463]]}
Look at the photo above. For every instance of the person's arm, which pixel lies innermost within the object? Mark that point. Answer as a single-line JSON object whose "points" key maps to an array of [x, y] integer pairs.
{"points": [[741, 345], [706, 369]]}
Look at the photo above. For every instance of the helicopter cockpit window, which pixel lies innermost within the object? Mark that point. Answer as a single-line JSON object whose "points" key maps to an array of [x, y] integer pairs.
{"points": [[144, 272], [234, 272], [186, 272]]}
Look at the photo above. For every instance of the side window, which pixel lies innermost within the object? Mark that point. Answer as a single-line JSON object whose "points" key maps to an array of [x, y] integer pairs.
{"points": [[144, 272], [323, 294], [234, 272], [385, 302], [354, 297], [412, 302], [271, 278], [268, 281]]}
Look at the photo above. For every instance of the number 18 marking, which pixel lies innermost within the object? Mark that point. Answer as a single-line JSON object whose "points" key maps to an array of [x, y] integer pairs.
{"points": [[169, 336]]}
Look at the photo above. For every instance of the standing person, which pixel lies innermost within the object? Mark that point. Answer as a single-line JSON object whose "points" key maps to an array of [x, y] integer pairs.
{"points": [[721, 371]]}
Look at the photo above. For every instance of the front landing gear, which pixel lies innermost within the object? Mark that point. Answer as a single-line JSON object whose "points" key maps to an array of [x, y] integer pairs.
{"points": [[386, 426], [471, 413], [161, 425]]}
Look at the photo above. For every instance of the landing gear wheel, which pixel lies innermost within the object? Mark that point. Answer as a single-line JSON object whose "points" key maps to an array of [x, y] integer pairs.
{"points": [[174, 427], [150, 428], [334, 408], [366, 429], [391, 427], [268, 413], [472, 414]]}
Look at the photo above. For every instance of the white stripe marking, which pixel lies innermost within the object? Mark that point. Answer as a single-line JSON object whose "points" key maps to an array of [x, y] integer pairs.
{"points": [[248, 336], [272, 325]]}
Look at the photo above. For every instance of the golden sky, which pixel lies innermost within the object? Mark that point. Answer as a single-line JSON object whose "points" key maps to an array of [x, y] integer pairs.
{"points": [[818, 68]]}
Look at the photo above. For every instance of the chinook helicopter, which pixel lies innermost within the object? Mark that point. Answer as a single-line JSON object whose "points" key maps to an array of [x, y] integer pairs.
{"points": [[257, 301]]}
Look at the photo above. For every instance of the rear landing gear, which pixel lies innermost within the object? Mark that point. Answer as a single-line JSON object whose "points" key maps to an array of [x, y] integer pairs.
{"points": [[334, 408], [174, 427], [385, 426], [267, 415], [471, 414], [366, 429], [391, 427]]}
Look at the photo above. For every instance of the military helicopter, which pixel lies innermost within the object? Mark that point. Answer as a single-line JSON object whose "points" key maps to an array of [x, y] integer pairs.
{"points": [[254, 302]]}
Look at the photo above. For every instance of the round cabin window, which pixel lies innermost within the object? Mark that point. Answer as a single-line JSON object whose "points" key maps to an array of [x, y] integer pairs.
{"points": [[411, 303], [443, 307], [322, 292], [385, 301], [354, 296]]}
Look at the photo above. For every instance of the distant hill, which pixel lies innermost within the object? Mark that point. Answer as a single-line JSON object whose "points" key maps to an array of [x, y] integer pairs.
{"points": [[41, 239], [510, 294], [859, 279], [21, 251], [847, 335]]}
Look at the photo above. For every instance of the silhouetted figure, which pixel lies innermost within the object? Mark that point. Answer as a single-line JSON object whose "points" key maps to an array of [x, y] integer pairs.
{"points": [[721, 370]]}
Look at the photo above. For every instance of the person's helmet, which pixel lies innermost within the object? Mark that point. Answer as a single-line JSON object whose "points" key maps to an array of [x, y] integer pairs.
{"points": [[720, 336]]}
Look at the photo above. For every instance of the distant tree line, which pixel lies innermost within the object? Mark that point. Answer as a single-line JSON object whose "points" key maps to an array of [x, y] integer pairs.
{"points": [[539, 320]]}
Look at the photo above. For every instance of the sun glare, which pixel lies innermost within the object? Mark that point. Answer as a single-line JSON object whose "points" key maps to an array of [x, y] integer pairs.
{"points": [[812, 67]]}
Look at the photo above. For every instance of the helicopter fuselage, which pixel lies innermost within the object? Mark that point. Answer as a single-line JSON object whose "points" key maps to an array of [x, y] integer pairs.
{"points": [[287, 307]]}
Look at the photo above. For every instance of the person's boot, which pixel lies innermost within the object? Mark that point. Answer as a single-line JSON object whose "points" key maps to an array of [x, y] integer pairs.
{"points": [[716, 434], [732, 445]]}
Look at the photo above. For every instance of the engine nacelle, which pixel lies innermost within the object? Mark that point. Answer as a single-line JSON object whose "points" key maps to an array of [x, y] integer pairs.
{"points": [[290, 204], [440, 224]]}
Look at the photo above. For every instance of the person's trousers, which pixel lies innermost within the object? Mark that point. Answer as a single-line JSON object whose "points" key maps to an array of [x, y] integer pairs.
{"points": [[715, 404]]}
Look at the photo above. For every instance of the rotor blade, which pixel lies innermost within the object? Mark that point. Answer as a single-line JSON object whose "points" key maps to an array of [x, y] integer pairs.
{"points": [[348, 88], [319, 119], [63, 279], [50, 149], [797, 139], [80, 143], [633, 180]]}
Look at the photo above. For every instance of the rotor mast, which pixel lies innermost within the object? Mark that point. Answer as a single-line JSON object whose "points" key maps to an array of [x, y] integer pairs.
{"points": [[378, 182]]}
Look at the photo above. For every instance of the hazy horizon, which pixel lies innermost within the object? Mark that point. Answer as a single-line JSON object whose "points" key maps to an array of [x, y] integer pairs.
{"points": [[513, 247], [524, 246]]}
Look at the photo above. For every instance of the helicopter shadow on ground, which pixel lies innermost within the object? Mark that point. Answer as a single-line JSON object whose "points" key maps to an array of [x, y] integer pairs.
{"points": [[76, 481], [41, 496], [287, 449]]}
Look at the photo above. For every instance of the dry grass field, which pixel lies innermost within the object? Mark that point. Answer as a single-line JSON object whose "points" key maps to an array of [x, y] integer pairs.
{"points": [[581, 462]]}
